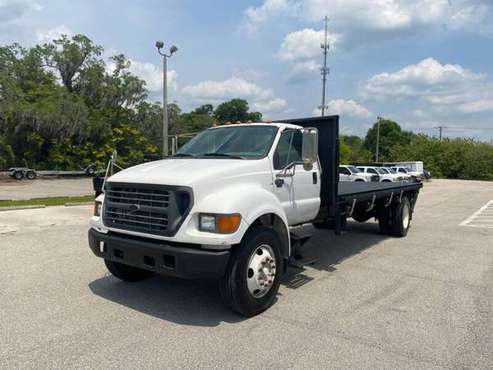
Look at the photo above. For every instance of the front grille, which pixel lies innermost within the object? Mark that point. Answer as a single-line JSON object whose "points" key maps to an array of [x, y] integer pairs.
{"points": [[152, 209], [374, 178]]}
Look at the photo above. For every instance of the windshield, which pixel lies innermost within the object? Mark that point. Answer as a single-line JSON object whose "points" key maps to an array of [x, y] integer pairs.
{"points": [[392, 170], [231, 141], [353, 169], [382, 171]]}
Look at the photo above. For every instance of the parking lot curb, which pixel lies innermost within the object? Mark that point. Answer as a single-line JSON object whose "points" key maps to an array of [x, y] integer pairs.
{"points": [[79, 204], [17, 208]]}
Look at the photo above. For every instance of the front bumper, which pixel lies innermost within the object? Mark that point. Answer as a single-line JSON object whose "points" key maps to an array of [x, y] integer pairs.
{"points": [[157, 256]]}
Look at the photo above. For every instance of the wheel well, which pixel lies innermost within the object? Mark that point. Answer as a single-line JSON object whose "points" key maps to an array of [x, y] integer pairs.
{"points": [[275, 222]]}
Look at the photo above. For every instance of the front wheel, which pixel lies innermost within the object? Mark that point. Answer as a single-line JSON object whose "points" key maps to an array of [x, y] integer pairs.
{"points": [[126, 272], [252, 279]]}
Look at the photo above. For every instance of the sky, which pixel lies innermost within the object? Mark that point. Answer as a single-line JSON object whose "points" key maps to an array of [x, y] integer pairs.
{"points": [[422, 63]]}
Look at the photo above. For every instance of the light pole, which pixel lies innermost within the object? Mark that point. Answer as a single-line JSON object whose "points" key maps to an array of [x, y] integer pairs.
{"points": [[173, 49]]}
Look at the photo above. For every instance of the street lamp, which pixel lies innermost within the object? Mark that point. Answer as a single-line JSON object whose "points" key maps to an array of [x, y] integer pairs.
{"points": [[173, 49]]}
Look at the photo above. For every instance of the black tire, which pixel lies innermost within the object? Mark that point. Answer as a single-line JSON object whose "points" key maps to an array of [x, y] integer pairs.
{"points": [[234, 285], [393, 220], [127, 273], [402, 218], [359, 180], [31, 175], [18, 175], [386, 180]]}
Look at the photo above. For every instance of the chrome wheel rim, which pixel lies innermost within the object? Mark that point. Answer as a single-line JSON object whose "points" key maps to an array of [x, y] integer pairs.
{"points": [[261, 271], [405, 216]]}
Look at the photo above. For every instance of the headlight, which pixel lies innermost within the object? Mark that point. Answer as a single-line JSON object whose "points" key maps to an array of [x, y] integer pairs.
{"points": [[97, 208], [219, 223]]}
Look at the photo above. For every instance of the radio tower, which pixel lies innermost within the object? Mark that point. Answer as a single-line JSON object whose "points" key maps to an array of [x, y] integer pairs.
{"points": [[324, 70]]}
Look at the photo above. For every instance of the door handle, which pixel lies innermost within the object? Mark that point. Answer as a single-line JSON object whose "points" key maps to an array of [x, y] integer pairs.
{"points": [[314, 176]]}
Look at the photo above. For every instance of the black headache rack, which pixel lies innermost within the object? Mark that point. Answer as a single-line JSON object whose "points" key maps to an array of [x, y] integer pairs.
{"points": [[328, 153], [337, 197]]}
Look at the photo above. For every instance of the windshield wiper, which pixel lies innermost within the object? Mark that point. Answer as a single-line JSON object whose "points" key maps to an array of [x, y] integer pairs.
{"points": [[219, 154], [183, 155]]}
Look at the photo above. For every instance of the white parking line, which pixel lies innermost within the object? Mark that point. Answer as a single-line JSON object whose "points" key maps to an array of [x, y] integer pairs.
{"points": [[483, 217]]}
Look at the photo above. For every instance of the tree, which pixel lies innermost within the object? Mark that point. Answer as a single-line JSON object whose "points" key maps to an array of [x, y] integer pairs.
{"points": [[390, 134], [206, 109], [235, 110], [357, 153], [70, 56]]}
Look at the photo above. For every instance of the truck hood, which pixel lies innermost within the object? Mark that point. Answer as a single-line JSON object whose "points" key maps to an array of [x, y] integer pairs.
{"points": [[186, 171]]}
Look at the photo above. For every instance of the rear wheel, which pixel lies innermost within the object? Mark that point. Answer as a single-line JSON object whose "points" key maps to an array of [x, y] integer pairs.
{"points": [[18, 175], [396, 219], [31, 175], [127, 273], [253, 276], [402, 219]]}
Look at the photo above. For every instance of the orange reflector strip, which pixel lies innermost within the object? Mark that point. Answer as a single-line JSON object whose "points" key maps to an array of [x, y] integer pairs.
{"points": [[227, 224]]}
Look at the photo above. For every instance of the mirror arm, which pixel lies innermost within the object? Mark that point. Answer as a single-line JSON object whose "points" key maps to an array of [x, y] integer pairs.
{"points": [[284, 172]]}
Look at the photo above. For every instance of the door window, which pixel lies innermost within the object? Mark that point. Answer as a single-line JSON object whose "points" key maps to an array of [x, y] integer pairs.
{"points": [[344, 171], [288, 149]]}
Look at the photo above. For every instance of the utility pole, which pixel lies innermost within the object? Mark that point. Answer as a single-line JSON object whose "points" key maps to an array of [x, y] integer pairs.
{"points": [[172, 50], [378, 138], [440, 131], [324, 70]]}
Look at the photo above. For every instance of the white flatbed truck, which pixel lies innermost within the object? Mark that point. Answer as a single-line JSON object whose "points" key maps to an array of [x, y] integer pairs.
{"points": [[225, 206]]}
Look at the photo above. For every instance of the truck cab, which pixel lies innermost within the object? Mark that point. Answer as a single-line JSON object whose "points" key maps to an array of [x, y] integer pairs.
{"points": [[225, 206]]}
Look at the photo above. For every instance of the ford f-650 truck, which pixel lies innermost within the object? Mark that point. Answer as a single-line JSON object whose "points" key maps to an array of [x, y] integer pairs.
{"points": [[226, 204]]}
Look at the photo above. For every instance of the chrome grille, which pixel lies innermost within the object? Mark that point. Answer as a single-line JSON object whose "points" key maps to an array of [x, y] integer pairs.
{"points": [[153, 209]]}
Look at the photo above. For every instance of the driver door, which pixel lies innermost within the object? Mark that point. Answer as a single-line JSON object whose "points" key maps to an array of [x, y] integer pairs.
{"points": [[299, 194]]}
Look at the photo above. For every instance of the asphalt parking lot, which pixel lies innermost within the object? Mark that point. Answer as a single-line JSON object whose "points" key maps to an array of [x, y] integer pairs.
{"points": [[40, 188], [425, 301]]}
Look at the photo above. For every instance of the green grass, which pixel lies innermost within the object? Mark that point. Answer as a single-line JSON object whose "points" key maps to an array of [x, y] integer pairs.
{"points": [[52, 201]]}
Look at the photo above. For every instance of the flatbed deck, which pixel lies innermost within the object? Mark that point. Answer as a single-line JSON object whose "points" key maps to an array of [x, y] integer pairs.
{"points": [[361, 191]]}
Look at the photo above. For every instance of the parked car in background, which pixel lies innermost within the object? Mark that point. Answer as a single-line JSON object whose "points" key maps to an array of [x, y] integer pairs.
{"points": [[404, 171], [413, 168], [382, 175], [397, 176], [351, 173]]}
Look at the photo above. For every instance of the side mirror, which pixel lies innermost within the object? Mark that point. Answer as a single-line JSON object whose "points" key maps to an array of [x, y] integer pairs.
{"points": [[309, 152]]}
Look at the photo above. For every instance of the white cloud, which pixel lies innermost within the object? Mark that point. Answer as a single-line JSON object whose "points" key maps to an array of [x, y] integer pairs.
{"points": [[254, 16], [273, 105], [235, 87], [435, 83], [302, 49], [482, 105], [12, 11], [150, 73], [153, 75], [53, 33], [344, 107], [430, 92], [362, 20], [304, 44]]}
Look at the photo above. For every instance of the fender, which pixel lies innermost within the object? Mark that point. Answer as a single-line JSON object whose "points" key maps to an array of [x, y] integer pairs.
{"points": [[250, 200]]}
